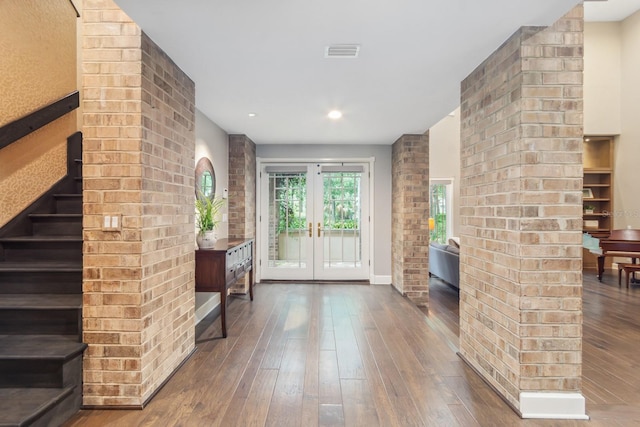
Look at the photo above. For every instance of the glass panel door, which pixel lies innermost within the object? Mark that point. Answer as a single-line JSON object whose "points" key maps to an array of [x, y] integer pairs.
{"points": [[288, 250], [340, 249], [314, 222]]}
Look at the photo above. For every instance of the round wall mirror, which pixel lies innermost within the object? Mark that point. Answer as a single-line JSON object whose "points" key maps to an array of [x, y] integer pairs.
{"points": [[205, 179]]}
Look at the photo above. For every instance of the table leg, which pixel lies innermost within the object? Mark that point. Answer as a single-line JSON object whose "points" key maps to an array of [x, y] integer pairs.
{"points": [[600, 267], [251, 283], [223, 311]]}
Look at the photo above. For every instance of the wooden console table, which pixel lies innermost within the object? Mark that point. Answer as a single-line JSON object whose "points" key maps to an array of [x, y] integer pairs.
{"points": [[220, 267]]}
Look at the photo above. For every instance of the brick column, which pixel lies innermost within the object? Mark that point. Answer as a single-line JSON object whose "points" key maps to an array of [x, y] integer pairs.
{"points": [[138, 165], [242, 195], [520, 261], [242, 187], [410, 213]]}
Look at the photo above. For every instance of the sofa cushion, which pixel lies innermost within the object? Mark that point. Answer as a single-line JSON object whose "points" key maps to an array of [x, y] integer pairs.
{"points": [[453, 249], [454, 241], [439, 245]]}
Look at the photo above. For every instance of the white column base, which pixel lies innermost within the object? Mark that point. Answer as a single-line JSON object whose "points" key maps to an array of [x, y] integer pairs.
{"points": [[380, 280], [564, 406]]}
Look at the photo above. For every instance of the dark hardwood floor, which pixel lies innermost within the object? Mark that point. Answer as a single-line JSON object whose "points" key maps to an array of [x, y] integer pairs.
{"points": [[353, 355]]}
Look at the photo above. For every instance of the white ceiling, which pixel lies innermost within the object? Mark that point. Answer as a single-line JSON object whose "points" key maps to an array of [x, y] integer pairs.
{"points": [[610, 10], [267, 57]]}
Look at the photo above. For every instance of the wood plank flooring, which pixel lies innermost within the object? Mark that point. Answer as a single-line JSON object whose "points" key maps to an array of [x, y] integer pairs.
{"points": [[353, 355]]}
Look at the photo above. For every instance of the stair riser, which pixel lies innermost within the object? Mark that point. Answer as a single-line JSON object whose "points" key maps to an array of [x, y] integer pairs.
{"points": [[39, 322], [41, 373], [30, 373], [58, 227], [41, 282], [61, 251], [69, 205]]}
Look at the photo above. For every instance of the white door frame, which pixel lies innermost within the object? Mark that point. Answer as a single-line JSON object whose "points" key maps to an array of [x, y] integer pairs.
{"points": [[261, 162]]}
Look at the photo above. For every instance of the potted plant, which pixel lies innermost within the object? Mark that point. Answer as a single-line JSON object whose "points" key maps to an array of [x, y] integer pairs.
{"points": [[589, 209], [207, 219]]}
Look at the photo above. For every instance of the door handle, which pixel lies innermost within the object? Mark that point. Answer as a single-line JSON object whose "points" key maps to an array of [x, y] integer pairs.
{"points": [[318, 229], [310, 229]]}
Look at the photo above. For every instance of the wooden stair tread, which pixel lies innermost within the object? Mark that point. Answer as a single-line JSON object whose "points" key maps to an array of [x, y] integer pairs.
{"points": [[40, 301], [40, 347], [22, 406], [38, 266]]}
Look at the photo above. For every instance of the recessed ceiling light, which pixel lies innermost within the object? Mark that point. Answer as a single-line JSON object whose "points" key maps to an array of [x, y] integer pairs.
{"points": [[334, 114], [252, 114]]}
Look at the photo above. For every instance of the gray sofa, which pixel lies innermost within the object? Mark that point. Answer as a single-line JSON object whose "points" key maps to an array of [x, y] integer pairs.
{"points": [[444, 262]]}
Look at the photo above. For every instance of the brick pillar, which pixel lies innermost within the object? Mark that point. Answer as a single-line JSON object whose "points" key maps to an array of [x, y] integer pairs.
{"points": [[520, 261], [242, 195], [242, 187], [138, 165], [410, 213]]}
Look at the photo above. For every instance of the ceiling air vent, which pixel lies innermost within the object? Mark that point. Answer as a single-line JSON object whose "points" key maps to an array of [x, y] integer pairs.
{"points": [[342, 51]]}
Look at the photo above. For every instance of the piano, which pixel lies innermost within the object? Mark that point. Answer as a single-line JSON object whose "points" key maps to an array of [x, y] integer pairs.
{"points": [[621, 243]]}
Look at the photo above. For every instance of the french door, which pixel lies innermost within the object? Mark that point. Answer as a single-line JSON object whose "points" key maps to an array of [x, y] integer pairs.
{"points": [[314, 221]]}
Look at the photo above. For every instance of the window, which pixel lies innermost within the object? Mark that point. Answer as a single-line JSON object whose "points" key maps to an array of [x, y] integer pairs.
{"points": [[441, 208]]}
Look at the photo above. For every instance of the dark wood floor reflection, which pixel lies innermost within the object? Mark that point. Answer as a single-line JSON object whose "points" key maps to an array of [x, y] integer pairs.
{"points": [[353, 355]]}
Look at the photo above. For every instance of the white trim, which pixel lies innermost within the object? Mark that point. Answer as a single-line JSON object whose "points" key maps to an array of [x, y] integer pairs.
{"points": [[380, 280], [561, 406], [206, 302]]}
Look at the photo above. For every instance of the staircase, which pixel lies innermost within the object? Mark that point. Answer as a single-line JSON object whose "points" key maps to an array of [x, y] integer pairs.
{"points": [[41, 308]]}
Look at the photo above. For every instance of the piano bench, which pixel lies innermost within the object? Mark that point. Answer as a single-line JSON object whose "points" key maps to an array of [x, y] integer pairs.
{"points": [[629, 269]]}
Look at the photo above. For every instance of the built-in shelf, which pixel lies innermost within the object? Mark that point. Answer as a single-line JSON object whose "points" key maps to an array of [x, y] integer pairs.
{"points": [[597, 183]]}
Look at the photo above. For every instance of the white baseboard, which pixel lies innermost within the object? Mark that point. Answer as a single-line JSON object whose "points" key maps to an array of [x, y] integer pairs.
{"points": [[562, 406], [206, 302], [380, 280]]}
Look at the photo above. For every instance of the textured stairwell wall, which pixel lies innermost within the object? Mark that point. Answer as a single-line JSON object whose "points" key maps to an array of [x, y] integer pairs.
{"points": [[139, 298], [38, 66]]}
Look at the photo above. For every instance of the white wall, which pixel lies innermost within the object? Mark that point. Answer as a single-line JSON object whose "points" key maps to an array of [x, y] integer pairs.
{"points": [[444, 158], [602, 78], [611, 105], [212, 142], [382, 182], [627, 145]]}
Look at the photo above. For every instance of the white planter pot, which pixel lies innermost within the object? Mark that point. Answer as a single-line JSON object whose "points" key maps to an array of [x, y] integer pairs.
{"points": [[206, 240]]}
